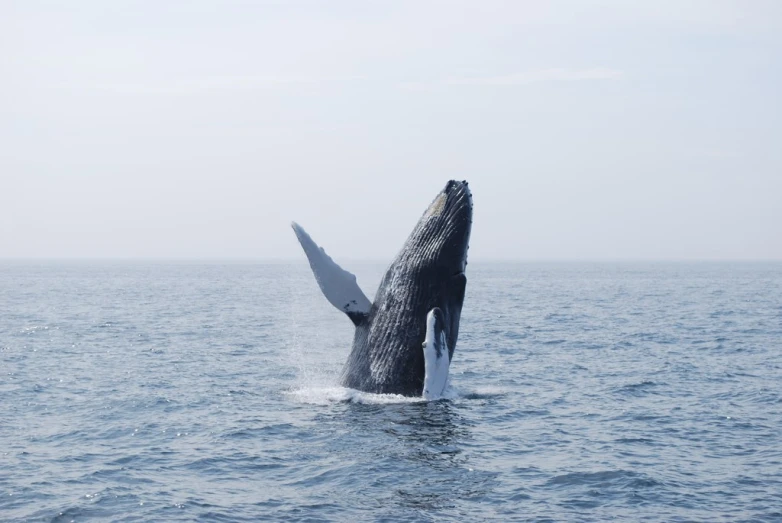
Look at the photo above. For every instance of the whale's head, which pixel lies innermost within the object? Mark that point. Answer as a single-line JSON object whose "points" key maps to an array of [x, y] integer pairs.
{"points": [[441, 238], [429, 271]]}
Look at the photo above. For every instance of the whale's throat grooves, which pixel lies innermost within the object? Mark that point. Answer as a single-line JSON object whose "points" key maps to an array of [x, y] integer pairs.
{"points": [[428, 272]]}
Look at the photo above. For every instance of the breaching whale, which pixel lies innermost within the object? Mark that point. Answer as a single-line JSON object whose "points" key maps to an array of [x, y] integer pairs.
{"points": [[405, 338]]}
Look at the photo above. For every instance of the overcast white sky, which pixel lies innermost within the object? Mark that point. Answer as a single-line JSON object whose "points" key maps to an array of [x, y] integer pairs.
{"points": [[193, 129]]}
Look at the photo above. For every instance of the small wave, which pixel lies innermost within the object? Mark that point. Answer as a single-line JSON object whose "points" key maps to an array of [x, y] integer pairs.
{"points": [[605, 479], [637, 388], [30, 329], [642, 384], [481, 393], [645, 441]]}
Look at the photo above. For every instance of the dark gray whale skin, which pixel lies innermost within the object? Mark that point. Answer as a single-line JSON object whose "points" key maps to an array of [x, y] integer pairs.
{"points": [[387, 355]]}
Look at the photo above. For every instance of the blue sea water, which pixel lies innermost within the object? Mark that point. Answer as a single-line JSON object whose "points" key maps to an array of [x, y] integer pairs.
{"points": [[580, 392]]}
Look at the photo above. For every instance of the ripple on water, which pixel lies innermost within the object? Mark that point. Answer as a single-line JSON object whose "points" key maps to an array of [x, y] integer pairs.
{"points": [[581, 392]]}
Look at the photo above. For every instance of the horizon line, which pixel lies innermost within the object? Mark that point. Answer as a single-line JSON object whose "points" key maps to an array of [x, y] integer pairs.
{"points": [[296, 260]]}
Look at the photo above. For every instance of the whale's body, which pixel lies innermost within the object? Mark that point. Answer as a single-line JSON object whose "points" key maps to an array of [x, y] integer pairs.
{"points": [[405, 339]]}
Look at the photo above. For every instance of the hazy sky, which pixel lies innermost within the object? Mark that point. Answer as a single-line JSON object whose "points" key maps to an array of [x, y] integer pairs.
{"points": [[613, 130]]}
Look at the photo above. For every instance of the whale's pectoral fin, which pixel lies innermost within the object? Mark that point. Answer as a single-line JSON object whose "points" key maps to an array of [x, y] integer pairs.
{"points": [[436, 357], [339, 286]]}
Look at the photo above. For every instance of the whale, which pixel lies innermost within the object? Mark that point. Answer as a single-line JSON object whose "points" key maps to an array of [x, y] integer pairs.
{"points": [[405, 338]]}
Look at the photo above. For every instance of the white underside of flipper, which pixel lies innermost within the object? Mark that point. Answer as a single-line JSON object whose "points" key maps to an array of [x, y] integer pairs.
{"points": [[436, 359], [338, 285]]}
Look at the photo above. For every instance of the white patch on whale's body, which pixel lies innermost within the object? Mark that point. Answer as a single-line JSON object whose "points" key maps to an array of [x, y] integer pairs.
{"points": [[436, 358]]}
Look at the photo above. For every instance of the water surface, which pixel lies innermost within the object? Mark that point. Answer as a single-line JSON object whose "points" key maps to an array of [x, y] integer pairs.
{"points": [[580, 392]]}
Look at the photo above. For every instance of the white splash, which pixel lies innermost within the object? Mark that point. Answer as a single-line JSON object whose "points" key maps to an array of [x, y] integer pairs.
{"points": [[331, 395]]}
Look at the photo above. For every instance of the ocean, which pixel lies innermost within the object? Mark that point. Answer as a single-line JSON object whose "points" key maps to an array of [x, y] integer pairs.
{"points": [[151, 391]]}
